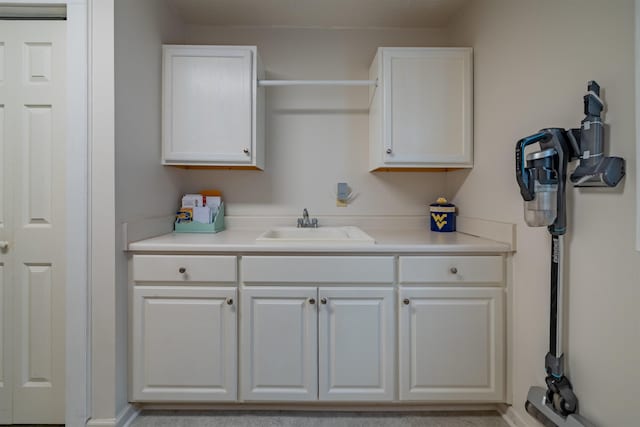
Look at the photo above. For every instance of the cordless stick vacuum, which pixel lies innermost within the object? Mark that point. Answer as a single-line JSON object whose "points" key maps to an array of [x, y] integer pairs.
{"points": [[542, 177]]}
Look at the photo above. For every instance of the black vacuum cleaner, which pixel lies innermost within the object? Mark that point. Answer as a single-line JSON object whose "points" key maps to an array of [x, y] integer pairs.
{"points": [[542, 177]]}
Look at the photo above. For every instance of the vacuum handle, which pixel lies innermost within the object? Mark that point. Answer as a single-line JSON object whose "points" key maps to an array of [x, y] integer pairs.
{"points": [[593, 104], [523, 176]]}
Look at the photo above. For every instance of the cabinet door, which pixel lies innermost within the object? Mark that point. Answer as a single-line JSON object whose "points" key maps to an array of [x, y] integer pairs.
{"points": [[184, 344], [427, 104], [208, 104], [279, 348], [452, 344], [356, 344]]}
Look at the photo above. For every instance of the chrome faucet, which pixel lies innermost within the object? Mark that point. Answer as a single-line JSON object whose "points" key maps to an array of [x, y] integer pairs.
{"points": [[304, 221]]}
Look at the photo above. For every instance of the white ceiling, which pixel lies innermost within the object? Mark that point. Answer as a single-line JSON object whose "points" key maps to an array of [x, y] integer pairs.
{"points": [[319, 13]]}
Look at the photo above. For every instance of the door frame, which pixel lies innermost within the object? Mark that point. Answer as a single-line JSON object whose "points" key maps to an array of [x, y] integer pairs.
{"points": [[637, 103], [82, 102]]}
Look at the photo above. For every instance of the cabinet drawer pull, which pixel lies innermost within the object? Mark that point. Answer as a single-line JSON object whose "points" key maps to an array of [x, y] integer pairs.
{"points": [[406, 301], [453, 270], [229, 301], [312, 301], [323, 300], [389, 151], [246, 151], [182, 270]]}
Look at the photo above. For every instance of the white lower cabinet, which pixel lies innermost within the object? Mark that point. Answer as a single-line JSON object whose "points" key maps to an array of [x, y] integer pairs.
{"points": [[184, 341], [279, 353], [356, 344], [318, 328], [451, 344], [305, 343]]}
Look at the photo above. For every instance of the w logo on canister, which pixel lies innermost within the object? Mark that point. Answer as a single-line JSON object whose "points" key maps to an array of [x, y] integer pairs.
{"points": [[441, 220]]}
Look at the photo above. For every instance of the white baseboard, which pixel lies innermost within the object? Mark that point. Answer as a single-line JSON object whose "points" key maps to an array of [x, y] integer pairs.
{"points": [[511, 417], [124, 419], [101, 422], [127, 416]]}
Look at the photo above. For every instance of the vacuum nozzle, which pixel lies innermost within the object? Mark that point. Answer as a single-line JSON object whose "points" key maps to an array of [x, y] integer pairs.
{"points": [[608, 172], [539, 406]]}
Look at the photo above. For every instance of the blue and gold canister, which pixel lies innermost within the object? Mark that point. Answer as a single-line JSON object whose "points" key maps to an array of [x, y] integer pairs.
{"points": [[443, 216]]}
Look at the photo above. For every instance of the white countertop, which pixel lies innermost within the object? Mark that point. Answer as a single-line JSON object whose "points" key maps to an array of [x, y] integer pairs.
{"points": [[387, 241]]}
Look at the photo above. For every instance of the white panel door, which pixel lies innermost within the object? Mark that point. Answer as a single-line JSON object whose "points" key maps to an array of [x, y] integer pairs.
{"points": [[32, 216], [6, 261], [184, 343], [356, 344], [279, 347], [427, 106], [208, 104], [452, 344]]}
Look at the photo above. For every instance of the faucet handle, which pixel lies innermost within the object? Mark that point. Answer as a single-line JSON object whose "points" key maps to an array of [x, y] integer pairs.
{"points": [[314, 222], [300, 222]]}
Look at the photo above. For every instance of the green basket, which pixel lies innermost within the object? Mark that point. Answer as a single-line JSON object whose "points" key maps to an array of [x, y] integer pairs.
{"points": [[196, 227]]}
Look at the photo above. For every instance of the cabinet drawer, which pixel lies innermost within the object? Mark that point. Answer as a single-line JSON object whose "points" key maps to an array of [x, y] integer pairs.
{"points": [[309, 269], [184, 268], [451, 269]]}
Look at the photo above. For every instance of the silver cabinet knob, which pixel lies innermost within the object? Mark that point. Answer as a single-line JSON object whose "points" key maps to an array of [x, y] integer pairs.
{"points": [[323, 300], [312, 301], [453, 270], [229, 301], [406, 301], [246, 151], [182, 270], [389, 151], [4, 244]]}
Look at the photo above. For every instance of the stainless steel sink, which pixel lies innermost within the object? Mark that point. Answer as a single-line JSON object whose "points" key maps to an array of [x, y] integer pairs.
{"points": [[321, 235]]}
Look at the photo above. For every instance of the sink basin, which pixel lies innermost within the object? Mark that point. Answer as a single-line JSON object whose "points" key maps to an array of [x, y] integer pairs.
{"points": [[321, 235]]}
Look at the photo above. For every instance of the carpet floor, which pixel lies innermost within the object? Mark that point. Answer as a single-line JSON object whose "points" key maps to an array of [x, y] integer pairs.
{"points": [[317, 419]]}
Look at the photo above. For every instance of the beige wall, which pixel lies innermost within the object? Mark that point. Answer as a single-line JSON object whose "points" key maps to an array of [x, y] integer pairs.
{"points": [[318, 136], [532, 62], [143, 187]]}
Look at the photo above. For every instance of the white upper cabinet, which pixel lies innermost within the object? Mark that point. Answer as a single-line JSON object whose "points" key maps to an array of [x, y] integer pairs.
{"points": [[213, 112], [421, 113]]}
